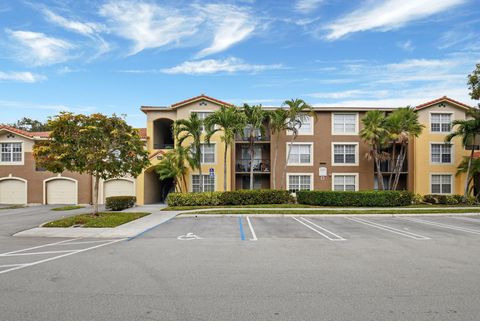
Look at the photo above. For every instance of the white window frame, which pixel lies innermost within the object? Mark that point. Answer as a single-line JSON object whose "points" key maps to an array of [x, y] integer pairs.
{"points": [[203, 189], [312, 177], [452, 154], [344, 133], [300, 164], [202, 112], [345, 143], [452, 118], [290, 133], [452, 183], [12, 163], [214, 154], [346, 174]]}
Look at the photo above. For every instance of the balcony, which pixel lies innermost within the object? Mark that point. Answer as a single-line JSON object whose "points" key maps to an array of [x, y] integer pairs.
{"points": [[257, 136], [163, 146], [387, 167], [259, 166]]}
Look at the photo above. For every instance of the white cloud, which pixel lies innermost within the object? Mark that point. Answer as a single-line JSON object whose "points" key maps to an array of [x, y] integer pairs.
{"points": [[25, 76], [148, 25], [406, 45], [84, 28], [306, 6], [346, 94], [230, 25], [37, 49], [211, 66], [386, 15]]}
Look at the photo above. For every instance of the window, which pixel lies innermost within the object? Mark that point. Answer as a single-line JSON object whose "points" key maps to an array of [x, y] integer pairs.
{"points": [[202, 115], [300, 154], [441, 153], [441, 184], [440, 123], [207, 153], [345, 154], [306, 128], [11, 153], [299, 182], [207, 184], [345, 182], [345, 124]]}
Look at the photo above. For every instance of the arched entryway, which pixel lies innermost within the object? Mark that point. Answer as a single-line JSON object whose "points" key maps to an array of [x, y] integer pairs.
{"points": [[155, 189], [163, 134]]}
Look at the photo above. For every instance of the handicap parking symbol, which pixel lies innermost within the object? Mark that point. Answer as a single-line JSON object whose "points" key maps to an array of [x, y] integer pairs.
{"points": [[188, 237]]}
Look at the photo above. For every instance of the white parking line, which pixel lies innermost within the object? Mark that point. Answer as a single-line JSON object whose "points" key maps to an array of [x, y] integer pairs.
{"points": [[469, 219], [447, 226], [254, 236], [319, 232], [37, 247], [388, 228], [21, 266], [37, 253], [338, 237]]}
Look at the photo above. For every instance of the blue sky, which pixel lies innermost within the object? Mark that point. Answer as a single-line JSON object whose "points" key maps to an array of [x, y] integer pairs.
{"points": [[114, 56]]}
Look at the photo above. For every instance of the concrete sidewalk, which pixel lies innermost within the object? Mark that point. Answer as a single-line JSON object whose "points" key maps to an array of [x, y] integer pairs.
{"points": [[127, 230]]}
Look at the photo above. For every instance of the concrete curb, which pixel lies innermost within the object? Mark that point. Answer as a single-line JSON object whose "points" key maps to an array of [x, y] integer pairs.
{"points": [[328, 215]]}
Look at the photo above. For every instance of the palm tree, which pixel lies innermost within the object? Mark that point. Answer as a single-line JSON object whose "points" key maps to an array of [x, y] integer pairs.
{"points": [[467, 130], [474, 170], [375, 134], [298, 111], [402, 125], [278, 123], [173, 165], [255, 118], [191, 128], [230, 121]]}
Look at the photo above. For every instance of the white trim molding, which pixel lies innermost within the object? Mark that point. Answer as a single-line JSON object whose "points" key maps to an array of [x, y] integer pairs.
{"points": [[12, 163], [357, 178], [452, 116], [452, 153], [45, 181], [355, 133], [203, 174], [312, 178], [288, 144], [345, 143], [452, 183]]}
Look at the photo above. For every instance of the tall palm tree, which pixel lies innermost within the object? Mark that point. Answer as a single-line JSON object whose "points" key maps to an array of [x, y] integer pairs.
{"points": [[173, 165], [467, 130], [402, 125], [230, 121], [375, 134], [191, 128], [474, 171], [298, 111], [255, 118], [278, 123]]}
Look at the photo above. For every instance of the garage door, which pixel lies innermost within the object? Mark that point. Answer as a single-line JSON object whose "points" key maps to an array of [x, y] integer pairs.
{"points": [[61, 191], [13, 191], [118, 187]]}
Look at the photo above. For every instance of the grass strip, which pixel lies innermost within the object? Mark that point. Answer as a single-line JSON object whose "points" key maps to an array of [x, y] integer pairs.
{"points": [[341, 212], [104, 219], [12, 207], [67, 208]]}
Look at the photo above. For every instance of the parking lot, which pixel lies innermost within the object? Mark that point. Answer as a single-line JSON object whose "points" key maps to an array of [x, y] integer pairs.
{"points": [[252, 268]]}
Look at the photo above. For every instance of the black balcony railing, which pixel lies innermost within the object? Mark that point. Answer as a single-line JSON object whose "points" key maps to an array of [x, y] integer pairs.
{"points": [[387, 166], [163, 146], [259, 165]]}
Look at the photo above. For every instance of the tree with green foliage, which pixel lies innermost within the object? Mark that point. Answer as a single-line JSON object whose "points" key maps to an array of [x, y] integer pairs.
{"points": [[191, 128], [467, 130], [278, 123], [173, 165], [474, 171], [375, 134], [101, 146], [474, 83], [30, 125], [255, 118], [230, 121], [298, 111]]}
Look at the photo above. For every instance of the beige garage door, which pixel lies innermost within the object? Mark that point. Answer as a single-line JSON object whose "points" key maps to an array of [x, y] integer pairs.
{"points": [[13, 191], [61, 191], [118, 187]]}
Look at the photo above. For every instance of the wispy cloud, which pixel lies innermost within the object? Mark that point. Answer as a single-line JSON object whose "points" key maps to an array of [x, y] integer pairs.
{"points": [[306, 6], [211, 66], [230, 25], [23, 76], [386, 15], [406, 45], [38, 49], [84, 28]]}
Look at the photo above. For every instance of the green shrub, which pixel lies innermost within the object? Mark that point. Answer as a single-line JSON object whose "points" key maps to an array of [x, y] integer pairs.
{"points": [[119, 203], [241, 197], [367, 198], [447, 199]]}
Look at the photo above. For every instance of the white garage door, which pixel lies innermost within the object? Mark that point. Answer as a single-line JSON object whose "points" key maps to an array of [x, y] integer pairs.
{"points": [[61, 191], [118, 187], [13, 191]]}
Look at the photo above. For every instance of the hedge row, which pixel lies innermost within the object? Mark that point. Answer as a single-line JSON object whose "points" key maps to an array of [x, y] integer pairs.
{"points": [[366, 199], [241, 197], [119, 203], [448, 199]]}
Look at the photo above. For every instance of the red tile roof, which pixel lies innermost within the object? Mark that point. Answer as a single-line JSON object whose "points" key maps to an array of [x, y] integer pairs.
{"points": [[476, 154], [202, 96], [444, 98]]}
